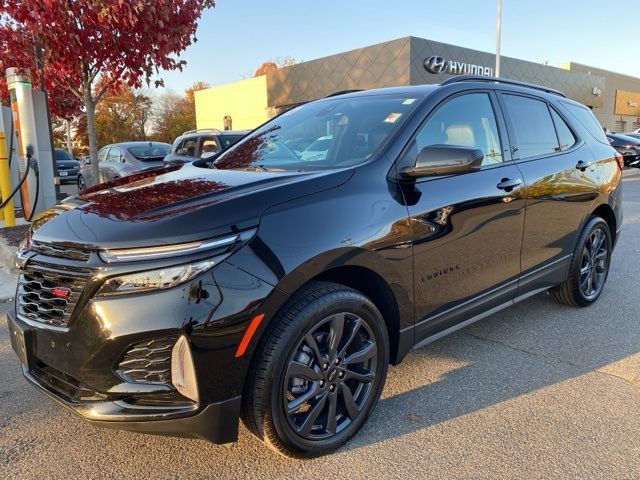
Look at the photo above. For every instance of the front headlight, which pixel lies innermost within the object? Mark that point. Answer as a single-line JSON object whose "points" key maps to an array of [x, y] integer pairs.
{"points": [[155, 279]]}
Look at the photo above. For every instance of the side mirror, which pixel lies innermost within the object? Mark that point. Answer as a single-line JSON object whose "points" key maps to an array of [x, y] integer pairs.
{"points": [[87, 160], [444, 160]]}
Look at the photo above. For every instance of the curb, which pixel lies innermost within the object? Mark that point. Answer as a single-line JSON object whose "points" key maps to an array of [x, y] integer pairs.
{"points": [[8, 270]]}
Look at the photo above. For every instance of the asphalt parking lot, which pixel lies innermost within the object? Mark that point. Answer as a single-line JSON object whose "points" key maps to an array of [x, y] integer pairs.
{"points": [[535, 391]]}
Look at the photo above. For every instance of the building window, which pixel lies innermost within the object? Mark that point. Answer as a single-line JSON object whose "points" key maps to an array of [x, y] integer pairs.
{"points": [[621, 126]]}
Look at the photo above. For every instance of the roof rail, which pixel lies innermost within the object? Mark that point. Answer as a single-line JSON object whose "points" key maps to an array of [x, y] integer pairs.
{"points": [[212, 130], [479, 78], [341, 92]]}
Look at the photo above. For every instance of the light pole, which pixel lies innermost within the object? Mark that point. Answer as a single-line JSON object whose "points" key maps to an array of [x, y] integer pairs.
{"points": [[498, 35]]}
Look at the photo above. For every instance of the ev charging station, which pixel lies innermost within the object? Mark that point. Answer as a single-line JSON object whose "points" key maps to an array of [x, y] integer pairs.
{"points": [[28, 129]]}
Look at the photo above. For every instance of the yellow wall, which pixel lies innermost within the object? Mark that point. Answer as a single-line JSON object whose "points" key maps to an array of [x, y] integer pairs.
{"points": [[244, 100]]}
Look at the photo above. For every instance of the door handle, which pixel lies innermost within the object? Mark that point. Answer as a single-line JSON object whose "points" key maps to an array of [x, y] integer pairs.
{"points": [[509, 184], [582, 165]]}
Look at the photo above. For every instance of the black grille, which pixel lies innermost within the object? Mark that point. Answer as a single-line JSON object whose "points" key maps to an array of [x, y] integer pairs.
{"points": [[65, 385], [35, 300], [148, 362], [60, 252]]}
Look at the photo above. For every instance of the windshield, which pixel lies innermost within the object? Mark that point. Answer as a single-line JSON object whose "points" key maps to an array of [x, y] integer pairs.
{"points": [[62, 154], [338, 132], [150, 150]]}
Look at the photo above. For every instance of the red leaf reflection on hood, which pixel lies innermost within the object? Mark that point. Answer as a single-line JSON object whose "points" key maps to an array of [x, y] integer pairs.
{"points": [[134, 177], [129, 203]]}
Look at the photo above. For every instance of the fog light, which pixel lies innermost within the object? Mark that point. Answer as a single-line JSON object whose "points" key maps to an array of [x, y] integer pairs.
{"points": [[183, 372]]}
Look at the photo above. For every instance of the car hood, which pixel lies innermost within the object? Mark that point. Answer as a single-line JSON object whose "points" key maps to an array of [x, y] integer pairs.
{"points": [[175, 204]]}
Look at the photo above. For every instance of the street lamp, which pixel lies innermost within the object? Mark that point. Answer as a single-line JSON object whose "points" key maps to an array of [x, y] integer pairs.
{"points": [[498, 35]]}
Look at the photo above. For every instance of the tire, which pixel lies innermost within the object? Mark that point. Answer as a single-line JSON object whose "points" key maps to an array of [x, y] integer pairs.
{"points": [[302, 425], [81, 184], [589, 269]]}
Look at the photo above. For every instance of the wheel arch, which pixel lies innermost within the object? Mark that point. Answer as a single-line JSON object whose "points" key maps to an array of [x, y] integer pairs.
{"points": [[605, 212], [372, 285]]}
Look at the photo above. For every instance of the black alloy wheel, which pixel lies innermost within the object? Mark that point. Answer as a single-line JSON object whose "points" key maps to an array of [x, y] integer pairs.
{"points": [[594, 264], [329, 376], [317, 372], [589, 266]]}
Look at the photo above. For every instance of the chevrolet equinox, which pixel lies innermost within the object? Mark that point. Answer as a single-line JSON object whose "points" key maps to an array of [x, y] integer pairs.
{"points": [[277, 287]]}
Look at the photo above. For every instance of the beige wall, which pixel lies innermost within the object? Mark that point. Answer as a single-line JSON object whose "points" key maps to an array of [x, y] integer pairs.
{"points": [[614, 83], [245, 101]]}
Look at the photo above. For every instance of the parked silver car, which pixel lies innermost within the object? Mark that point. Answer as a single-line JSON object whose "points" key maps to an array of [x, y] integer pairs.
{"points": [[121, 159]]}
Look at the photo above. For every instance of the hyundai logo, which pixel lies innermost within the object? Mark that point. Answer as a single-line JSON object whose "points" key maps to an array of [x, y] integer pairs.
{"points": [[439, 65], [435, 64]]}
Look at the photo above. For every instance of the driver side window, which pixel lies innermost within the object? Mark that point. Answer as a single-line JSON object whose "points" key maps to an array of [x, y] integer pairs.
{"points": [[467, 121]]}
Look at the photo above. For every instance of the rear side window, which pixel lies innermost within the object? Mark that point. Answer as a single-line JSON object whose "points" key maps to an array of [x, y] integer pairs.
{"points": [[188, 147], [587, 120], [533, 128], [114, 155], [565, 136]]}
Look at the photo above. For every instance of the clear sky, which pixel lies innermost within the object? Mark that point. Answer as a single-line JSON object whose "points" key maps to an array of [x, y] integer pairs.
{"points": [[236, 36]]}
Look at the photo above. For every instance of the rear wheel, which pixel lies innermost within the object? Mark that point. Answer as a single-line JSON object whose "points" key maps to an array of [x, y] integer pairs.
{"points": [[589, 267], [319, 371]]}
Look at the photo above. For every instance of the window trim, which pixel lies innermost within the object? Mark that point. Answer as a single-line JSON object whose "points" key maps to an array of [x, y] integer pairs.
{"points": [[514, 144], [503, 134]]}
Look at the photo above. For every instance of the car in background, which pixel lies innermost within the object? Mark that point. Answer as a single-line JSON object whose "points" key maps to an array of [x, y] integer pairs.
{"points": [[632, 135], [122, 159], [626, 146], [203, 143], [68, 167]]}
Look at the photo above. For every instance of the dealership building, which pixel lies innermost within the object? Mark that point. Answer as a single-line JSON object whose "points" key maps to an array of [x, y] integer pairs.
{"points": [[613, 97]]}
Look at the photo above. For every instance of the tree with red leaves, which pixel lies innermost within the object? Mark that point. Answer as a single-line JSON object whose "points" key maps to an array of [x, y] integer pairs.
{"points": [[96, 45], [18, 50]]}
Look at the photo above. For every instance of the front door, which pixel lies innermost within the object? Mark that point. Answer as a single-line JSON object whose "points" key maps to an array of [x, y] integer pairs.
{"points": [[467, 227]]}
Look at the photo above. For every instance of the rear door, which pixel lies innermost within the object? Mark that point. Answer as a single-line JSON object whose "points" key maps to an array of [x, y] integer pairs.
{"points": [[562, 182], [467, 227]]}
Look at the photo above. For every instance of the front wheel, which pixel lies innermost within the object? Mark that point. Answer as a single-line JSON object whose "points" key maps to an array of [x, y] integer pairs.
{"points": [[318, 373], [81, 184], [589, 268]]}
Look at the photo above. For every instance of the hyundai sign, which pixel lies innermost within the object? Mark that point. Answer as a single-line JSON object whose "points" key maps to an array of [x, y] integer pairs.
{"points": [[437, 64]]}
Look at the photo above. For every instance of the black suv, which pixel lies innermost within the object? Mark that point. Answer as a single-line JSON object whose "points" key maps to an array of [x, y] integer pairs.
{"points": [[203, 143], [277, 288]]}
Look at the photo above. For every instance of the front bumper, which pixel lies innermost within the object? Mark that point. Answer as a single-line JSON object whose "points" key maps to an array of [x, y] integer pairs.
{"points": [[68, 175], [78, 364], [216, 422]]}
